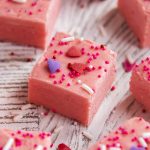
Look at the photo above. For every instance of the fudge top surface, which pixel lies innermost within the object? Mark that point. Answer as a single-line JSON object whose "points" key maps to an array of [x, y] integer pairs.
{"points": [[24, 140], [134, 134], [145, 4], [143, 69], [33, 10], [90, 66]]}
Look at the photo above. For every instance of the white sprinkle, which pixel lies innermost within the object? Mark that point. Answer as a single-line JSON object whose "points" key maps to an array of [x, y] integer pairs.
{"points": [[68, 39], [118, 145], [87, 88], [58, 129], [20, 1], [82, 38], [87, 135], [17, 117], [102, 147], [90, 66], [114, 148], [129, 58], [9, 144], [27, 106], [142, 142], [79, 81], [146, 135], [40, 147]]}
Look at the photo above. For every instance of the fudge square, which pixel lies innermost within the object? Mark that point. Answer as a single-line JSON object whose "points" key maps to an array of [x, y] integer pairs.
{"points": [[24, 140], [137, 15], [140, 83], [72, 77], [134, 134], [29, 23]]}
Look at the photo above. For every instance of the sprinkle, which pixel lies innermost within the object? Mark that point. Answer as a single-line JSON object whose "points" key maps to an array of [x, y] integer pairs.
{"points": [[74, 52], [39, 147], [137, 148], [146, 135], [78, 67], [68, 39], [20, 1], [87, 135], [58, 129], [91, 66], [87, 88], [127, 65], [102, 147], [8, 144], [63, 147], [114, 148], [79, 81], [142, 142], [82, 38], [27, 106], [53, 65], [113, 88]]}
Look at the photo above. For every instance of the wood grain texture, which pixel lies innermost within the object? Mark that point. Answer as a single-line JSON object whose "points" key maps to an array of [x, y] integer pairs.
{"points": [[16, 63]]}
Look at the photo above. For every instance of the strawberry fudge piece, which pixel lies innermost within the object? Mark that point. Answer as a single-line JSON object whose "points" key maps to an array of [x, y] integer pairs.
{"points": [[73, 77], [134, 134], [137, 15], [140, 83], [24, 140], [28, 22]]}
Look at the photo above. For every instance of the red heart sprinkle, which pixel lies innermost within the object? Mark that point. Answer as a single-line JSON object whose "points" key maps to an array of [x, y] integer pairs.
{"points": [[74, 52], [78, 67], [63, 147]]}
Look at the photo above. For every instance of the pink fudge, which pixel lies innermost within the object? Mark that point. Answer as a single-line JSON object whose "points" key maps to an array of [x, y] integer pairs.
{"points": [[29, 23], [140, 83], [23, 140], [134, 134], [137, 15], [79, 76]]}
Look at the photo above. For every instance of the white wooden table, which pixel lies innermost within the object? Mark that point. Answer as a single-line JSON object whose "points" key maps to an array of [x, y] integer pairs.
{"points": [[88, 17]]}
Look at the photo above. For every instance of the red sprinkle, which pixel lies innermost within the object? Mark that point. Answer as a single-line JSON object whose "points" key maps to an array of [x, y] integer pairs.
{"points": [[128, 66], [63, 147], [113, 88]]}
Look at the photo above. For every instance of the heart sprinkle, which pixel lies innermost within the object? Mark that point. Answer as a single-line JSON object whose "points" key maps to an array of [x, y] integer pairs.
{"points": [[137, 148], [63, 147], [77, 67], [53, 65], [74, 52]]}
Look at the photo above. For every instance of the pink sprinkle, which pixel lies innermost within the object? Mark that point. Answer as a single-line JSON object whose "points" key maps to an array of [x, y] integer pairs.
{"points": [[99, 76], [106, 62], [127, 66], [18, 142], [51, 44], [68, 84], [30, 13], [55, 82], [113, 88]]}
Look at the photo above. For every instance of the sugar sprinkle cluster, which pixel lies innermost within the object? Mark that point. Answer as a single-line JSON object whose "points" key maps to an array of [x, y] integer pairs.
{"points": [[75, 69], [33, 9], [137, 142], [19, 138], [144, 67]]}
